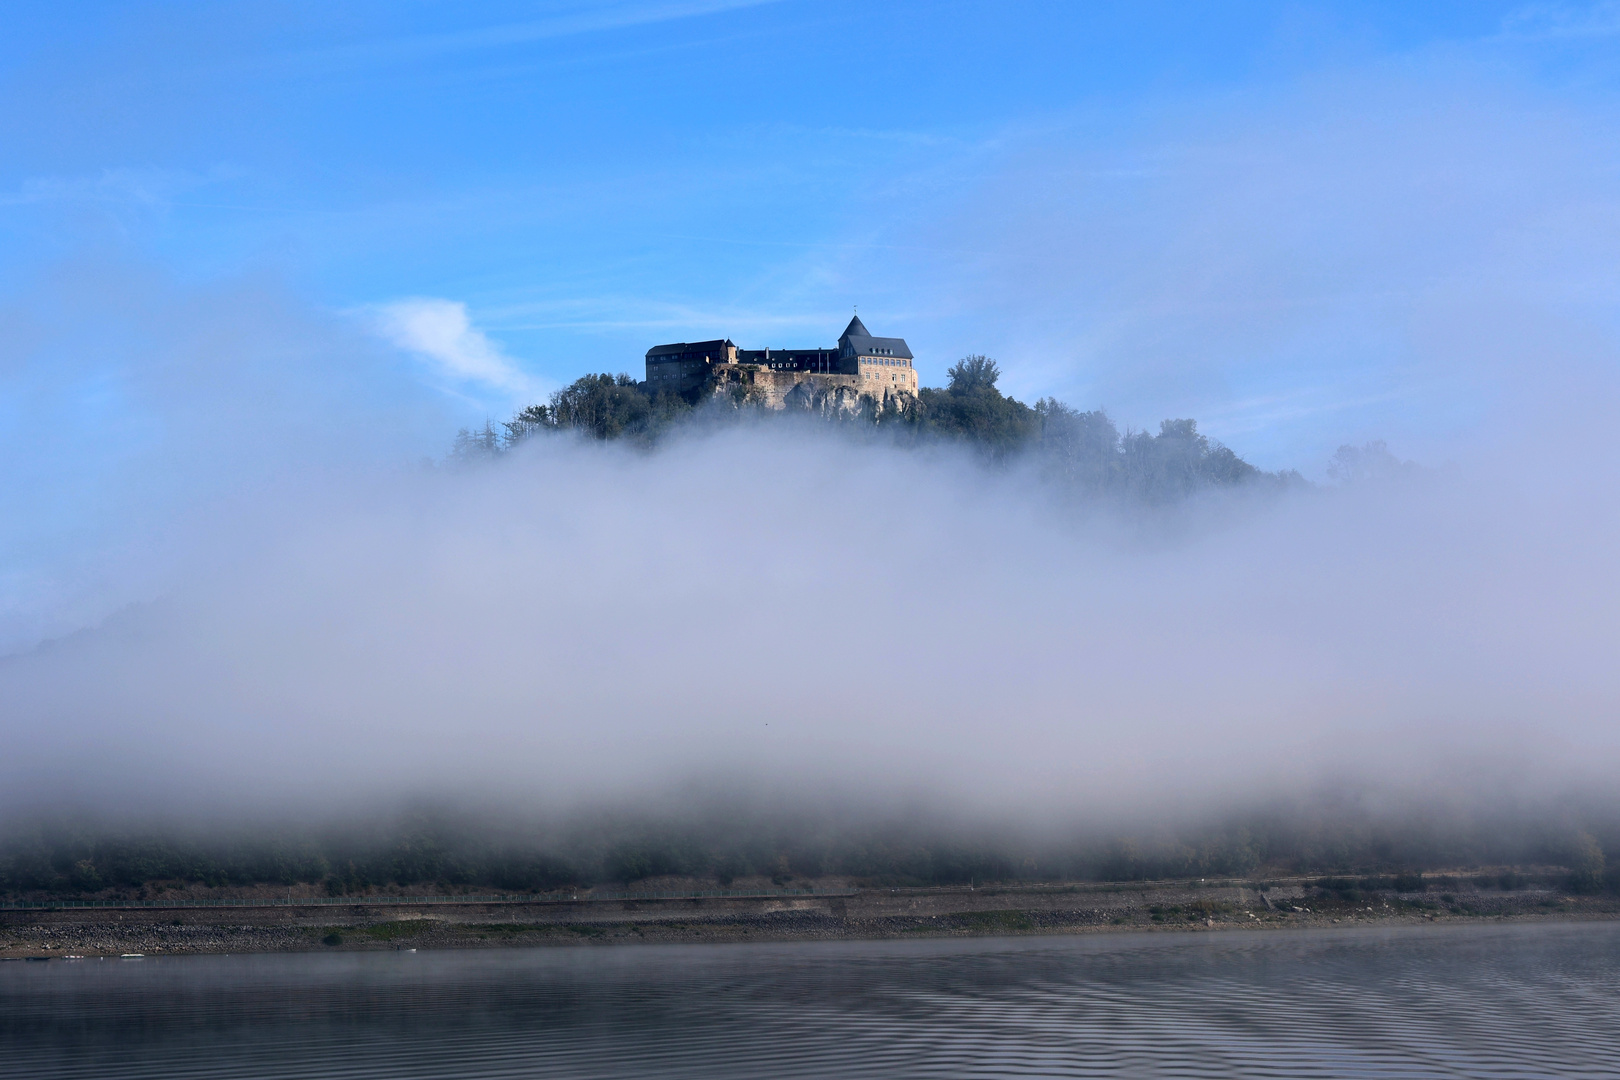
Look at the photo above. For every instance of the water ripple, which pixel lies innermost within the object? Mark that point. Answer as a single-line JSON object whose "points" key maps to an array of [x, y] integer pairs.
{"points": [[1478, 1002]]}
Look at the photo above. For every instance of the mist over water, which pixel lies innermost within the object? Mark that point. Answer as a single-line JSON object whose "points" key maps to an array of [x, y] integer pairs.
{"points": [[1366, 1003], [232, 593], [789, 617]]}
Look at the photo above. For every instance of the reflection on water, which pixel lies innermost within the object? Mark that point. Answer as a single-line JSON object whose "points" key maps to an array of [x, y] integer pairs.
{"points": [[1474, 1001]]}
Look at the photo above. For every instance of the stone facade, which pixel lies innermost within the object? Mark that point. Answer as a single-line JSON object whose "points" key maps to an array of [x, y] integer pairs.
{"points": [[860, 366]]}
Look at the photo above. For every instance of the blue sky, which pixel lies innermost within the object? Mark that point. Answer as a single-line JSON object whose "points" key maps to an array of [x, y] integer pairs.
{"points": [[237, 235], [591, 178]]}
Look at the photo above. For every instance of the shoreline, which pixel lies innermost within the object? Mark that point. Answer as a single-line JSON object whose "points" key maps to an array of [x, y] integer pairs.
{"points": [[866, 914]]}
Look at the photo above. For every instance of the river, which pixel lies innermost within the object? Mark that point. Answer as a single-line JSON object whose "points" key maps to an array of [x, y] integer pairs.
{"points": [[1454, 1001]]}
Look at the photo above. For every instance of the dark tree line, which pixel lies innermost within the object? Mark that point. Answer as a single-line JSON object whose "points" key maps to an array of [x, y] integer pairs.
{"points": [[1083, 450], [441, 853]]}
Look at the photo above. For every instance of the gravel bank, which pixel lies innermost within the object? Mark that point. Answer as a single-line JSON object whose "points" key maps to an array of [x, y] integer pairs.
{"points": [[868, 914]]}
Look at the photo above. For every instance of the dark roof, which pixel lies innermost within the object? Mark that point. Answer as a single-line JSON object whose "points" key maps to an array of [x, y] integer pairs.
{"points": [[784, 354], [857, 339], [701, 348]]}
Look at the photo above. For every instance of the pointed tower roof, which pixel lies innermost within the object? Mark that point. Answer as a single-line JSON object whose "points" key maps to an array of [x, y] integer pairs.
{"points": [[858, 340]]}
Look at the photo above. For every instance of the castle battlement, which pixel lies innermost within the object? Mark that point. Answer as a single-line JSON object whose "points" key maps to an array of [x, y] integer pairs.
{"points": [[859, 366]]}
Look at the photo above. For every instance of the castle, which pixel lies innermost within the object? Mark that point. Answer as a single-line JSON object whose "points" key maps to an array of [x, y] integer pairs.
{"points": [[860, 366]]}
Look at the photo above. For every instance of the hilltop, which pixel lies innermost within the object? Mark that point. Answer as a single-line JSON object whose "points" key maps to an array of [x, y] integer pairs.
{"points": [[1082, 450]]}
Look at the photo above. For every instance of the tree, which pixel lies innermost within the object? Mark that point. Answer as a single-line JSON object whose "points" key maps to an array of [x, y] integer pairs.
{"points": [[605, 405], [533, 419], [1179, 460], [1080, 447], [972, 408], [1370, 461], [972, 373], [473, 445], [1585, 864], [1083, 450]]}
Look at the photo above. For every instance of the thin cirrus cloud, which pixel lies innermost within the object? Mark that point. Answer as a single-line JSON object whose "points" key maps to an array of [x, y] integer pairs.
{"points": [[441, 333], [566, 20], [1543, 21]]}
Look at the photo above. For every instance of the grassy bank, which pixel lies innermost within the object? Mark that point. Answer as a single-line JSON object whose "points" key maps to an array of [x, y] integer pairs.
{"points": [[1062, 908]]}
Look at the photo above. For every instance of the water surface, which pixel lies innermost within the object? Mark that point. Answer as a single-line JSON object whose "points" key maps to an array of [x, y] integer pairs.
{"points": [[1466, 1001]]}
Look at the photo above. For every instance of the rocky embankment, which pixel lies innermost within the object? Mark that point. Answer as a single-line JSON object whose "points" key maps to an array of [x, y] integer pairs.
{"points": [[869, 913]]}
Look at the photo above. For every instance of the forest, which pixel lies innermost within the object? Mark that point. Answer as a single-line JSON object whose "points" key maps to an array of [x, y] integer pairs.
{"points": [[438, 851], [1083, 451]]}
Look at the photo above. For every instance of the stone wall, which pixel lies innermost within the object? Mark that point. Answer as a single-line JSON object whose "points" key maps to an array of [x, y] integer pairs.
{"points": [[882, 378], [776, 389]]}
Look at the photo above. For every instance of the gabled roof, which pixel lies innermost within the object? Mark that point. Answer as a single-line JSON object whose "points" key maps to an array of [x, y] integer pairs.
{"points": [[859, 340], [681, 347]]}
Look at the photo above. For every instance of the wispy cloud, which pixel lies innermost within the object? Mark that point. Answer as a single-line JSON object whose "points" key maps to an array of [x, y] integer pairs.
{"points": [[565, 21], [144, 187], [1543, 21], [638, 311], [1261, 412], [441, 332]]}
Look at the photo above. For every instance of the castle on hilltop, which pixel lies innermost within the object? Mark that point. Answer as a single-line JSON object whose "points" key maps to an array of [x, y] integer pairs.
{"points": [[860, 366]]}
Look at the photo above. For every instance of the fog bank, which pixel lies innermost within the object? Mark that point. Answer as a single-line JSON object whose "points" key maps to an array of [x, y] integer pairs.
{"points": [[800, 616]]}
